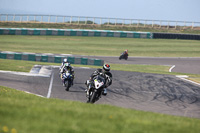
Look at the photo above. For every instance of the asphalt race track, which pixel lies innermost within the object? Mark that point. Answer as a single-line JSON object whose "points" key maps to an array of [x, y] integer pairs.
{"points": [[182, 64], [141, 91]]}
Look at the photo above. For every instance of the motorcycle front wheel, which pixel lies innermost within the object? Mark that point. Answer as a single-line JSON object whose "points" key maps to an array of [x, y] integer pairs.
{"points": [[92, 99], [120, 57], [68, 85]]}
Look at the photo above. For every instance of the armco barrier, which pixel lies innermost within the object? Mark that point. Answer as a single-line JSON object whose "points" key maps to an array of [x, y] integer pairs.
{"points": [[74, 32], [49, 58]]}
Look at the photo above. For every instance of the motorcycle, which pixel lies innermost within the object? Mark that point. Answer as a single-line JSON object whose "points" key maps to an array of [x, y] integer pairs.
{"points": [[96, 88], [67, 80], [123, 56]]}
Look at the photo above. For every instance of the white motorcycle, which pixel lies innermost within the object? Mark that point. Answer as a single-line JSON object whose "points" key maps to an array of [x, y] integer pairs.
{"points": [[96, 88], [67, 80]]}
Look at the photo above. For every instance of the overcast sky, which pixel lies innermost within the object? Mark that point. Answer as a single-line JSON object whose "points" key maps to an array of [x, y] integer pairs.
{"points": [[181, 10]]}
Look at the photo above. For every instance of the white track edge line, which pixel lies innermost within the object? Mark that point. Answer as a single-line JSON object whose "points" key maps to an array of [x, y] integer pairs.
{"points": [[34, 94], [50, 86], [170, 70], [24, 73], [183, 78]]}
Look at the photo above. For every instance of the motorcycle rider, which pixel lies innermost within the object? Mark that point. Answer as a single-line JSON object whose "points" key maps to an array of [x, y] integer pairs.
{"points": [[124, 55], [64, 61], [69, 68], [105, 73], [125, 52]]}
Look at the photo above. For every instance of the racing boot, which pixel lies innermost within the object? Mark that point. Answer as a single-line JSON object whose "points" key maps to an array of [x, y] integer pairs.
{"points": [[87, 84], [104, 92], [63, 82], [88, 90]]}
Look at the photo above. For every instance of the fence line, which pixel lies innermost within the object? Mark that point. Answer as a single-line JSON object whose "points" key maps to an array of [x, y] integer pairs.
{"points": [[99, 21]]}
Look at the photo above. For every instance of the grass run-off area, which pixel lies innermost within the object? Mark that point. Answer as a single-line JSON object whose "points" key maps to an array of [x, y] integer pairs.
{"points": [[26, 113], [100, 46], [25, 66]]}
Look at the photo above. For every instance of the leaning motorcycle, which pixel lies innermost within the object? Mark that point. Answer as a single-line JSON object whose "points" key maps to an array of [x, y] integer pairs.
{"points": [[123, 56], [67, 80], [96, 89]]}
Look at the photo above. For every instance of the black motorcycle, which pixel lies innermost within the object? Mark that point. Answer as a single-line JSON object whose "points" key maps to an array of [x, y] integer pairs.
{"points": [[123, 56], [96, 89], [67, 80]]}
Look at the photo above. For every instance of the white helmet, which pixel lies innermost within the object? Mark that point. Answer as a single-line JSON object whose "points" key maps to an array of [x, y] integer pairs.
{"points": [[65, 60], [106, 67]]}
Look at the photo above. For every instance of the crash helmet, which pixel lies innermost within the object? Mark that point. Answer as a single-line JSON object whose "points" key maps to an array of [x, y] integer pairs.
{"points": [[106, 67], [126, 50], [65, 60]]}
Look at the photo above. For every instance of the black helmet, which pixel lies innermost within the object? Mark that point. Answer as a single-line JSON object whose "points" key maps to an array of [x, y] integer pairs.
{"points": [[67, 65], [106, 67]]}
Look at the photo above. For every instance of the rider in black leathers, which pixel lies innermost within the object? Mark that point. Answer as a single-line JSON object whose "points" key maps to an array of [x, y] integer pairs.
{"points": [[105, 73]]}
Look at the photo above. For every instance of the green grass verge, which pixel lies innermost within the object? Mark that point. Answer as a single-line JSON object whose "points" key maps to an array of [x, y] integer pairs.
{"points": [[100, 46], [26, 113], [25, 66]]}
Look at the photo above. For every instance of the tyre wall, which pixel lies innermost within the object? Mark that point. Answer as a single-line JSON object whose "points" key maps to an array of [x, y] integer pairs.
{"points": [[74, 32], [49, 58], [96, 33]]}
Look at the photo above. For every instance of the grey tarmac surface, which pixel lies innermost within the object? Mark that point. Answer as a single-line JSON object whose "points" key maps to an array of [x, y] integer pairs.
{"points": [[189, 65], [141, 91]]}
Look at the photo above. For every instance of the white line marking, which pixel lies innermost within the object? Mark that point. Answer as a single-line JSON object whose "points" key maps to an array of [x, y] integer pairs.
{"points": [[50, 86], [34, 94], [170, 70], [85, 67], [183, 78], [24, 73]]}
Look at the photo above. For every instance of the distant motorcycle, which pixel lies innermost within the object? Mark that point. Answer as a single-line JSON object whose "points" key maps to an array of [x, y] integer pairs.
{"points": [[96, 89], [123, 56], [67, 80]]}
